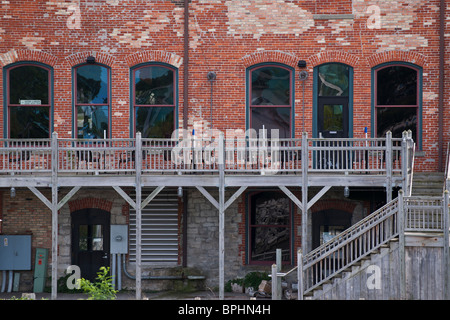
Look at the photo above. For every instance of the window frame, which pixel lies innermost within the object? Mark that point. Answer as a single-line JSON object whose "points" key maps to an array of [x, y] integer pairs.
{"points": [[6, 96], [317, 98], [133, 106], [291, 105], [418, 69], [248, 218], [75, 103]]}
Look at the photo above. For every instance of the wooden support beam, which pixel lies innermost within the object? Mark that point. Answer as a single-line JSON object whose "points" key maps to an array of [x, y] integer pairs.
{"points": [[125, 196], [318, 196], [67, 197], [446, 258], [54, 208], [138, 209], [41, 197], [151, 196], [221, 216], [208, 196], [234, 197], [291, 196]]}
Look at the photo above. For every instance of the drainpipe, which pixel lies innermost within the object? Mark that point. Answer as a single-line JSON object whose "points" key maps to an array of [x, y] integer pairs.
{"points": [[186, 65], [441, 83]]}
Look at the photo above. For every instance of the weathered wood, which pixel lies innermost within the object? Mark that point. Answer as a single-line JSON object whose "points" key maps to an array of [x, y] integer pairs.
{"points": [[300, 274], [446, 254], [54, 208], [138, 209], [221, 217], [401, 250]]}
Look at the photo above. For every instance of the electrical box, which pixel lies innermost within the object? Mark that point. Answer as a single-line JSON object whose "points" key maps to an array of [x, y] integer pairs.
{"points": [[40, 270], [119, 238], [15, 252]]}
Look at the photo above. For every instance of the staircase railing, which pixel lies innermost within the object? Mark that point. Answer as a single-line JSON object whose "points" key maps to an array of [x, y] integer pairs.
{"points": [[419, 214], [350, 246]]}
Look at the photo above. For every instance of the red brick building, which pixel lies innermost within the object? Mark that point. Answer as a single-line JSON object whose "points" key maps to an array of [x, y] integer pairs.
{"points": [[108, 69]]}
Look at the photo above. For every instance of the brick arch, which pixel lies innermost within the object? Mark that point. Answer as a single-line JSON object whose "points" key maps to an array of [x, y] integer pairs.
{"points": [[80, 57], [154, 56], [333, 204], [270, 56], [396, 55], [89, 202], [13, 56], [332, 56]]}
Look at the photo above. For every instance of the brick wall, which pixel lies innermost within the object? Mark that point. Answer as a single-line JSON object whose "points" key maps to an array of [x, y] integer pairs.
{"points": [[226, 37]]}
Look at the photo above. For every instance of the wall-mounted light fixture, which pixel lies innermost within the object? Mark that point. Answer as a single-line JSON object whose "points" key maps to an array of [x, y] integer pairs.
{"points": [[346, 192], [13, 192], [301, 64], [180, 192], [90, 60]]}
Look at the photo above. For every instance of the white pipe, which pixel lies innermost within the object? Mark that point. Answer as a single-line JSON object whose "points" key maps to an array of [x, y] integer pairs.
{"points": [[10, 283], [4, 281]]}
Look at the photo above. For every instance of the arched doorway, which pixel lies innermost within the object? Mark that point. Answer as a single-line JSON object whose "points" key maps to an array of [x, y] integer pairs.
{"points": [[90, 240], [328, 223]]}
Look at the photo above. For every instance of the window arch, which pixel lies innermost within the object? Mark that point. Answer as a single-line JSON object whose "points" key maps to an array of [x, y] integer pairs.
{"points": [[92, 101], [270, 98], [154, 99], [397, 99], [28, 100]]}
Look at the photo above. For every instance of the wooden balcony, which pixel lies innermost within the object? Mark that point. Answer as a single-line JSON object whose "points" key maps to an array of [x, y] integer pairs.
{"points": [[200, 162]]}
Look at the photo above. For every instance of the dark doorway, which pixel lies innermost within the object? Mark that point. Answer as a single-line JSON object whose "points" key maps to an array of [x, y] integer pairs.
{"points": [[333, 117], [327, 224], [90, 241]]}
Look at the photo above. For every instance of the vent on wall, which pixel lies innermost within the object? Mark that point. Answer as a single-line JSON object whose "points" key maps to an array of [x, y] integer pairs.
{"points": [[159, 228]]}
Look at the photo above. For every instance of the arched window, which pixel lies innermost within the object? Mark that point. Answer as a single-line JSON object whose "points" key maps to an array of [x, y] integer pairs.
{"points": [[397, 100], [29, 100], [154, 98], [271, 99], [92, 101]]}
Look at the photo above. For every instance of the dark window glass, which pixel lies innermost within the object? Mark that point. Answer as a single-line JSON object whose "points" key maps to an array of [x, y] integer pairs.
{"points": [[397, 85], [272, 118], [92, 84], [396, 120], [92, 122], [333, 117], [29, 85], [155, 122], [270, 86], [154, 86], [29, 122], [333, 80], [269, 226]]}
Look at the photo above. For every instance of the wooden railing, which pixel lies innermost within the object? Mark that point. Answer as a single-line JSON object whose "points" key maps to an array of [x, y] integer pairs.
{"points": [[403, 214], [247, 155]]}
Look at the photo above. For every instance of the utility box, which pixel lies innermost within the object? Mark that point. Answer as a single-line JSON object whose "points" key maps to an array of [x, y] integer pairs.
{"points": [[15, 252], [119, 238], [40, 270]]}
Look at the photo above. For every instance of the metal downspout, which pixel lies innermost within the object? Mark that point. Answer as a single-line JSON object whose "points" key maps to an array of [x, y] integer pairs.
{"points": [[441, 84], [186, 65]]}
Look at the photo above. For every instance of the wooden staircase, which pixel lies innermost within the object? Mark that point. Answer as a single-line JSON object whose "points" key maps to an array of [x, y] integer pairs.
{"points": [[406, 234], [428, 184]]}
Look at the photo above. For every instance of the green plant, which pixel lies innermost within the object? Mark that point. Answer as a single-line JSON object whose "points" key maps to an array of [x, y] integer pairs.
{"points": [[102, 289], [253, 279], [228, 284]]}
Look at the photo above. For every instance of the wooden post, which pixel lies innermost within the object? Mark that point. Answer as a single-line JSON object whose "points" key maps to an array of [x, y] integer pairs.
{"points": [[300, 274], [388, 166], [54, 206], [138, 165], [305, 164], [401, 244], [404, 157], [446, 265], [221, 216], [274, 283], [278, 262]]}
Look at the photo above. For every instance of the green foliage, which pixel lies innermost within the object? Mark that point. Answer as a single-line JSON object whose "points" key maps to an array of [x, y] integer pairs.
{"points": [[253, 279], [228, 284], [102, 289]]}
